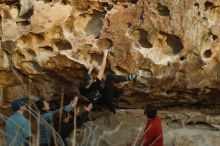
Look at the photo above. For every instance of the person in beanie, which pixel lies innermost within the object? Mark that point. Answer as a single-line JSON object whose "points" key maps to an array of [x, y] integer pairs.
{"points": [[92, 89], [18, 130], [153, 133]]}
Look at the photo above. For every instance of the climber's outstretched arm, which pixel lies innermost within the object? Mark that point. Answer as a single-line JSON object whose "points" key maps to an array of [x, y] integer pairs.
{"points": [[91, 67], [102, 69]]}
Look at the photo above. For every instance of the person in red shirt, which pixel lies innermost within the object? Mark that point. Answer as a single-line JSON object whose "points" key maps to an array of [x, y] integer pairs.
{"points": [[153, 133]]}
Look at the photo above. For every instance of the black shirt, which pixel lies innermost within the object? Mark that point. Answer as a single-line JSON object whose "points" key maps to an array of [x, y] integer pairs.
{"points": [[93, 93], [67, 128]]}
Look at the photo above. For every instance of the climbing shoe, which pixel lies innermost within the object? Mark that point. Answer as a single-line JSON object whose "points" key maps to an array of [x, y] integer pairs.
{"points": [[132, 76]]}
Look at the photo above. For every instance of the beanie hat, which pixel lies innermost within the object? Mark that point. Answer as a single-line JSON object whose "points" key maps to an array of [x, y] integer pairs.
{"points": [[16, 104], [87, 78]]}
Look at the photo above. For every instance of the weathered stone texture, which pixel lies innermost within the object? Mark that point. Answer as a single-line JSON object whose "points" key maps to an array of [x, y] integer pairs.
{"points": [[172, 44]]}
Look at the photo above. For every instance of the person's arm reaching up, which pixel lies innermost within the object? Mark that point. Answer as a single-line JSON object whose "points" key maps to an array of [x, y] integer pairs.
{"points": [[91, 67], [72, 104], [85, 116], [102, 69], [68, 108]]}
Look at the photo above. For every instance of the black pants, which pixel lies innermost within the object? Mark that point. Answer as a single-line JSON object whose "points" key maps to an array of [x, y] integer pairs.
{"points": [[108, 91]]}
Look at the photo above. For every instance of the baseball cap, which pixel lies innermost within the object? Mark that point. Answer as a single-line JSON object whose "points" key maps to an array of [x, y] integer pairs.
{"points": [[16, 104]]}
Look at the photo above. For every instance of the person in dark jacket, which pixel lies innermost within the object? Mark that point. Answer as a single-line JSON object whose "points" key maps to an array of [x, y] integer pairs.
{"points": [[67, 121], [92, 89]]}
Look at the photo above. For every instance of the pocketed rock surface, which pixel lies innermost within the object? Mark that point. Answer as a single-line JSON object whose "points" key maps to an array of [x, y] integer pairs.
{"points": [[173, 45]]}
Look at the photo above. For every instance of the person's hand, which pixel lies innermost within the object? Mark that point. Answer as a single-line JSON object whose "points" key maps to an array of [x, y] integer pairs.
{"points": [[74, 102], [88, 108], [77, 111], [91, 67], [105, 52]]}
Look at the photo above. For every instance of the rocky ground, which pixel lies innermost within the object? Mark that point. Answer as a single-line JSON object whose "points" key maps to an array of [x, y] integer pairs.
{"points": [[182, 128]]}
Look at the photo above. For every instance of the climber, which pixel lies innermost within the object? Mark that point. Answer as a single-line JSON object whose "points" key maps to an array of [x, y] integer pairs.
{"points": [[64, 123], [92, 88], [18, 130], [153, 134], [46, 119]]}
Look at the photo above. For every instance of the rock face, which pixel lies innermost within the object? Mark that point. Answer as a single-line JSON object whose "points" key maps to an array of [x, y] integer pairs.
{"points": [[47, 45], [173, 45]]}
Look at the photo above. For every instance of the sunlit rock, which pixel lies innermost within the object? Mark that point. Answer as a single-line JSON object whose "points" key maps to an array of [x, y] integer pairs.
{"points": [[173, 46]]}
